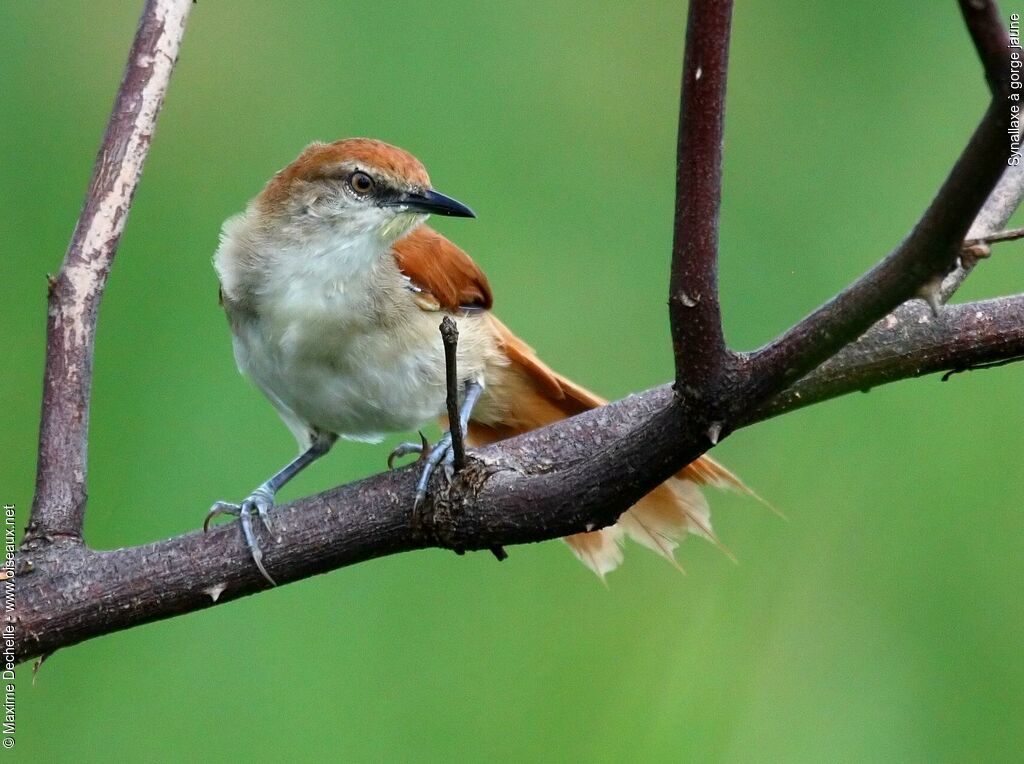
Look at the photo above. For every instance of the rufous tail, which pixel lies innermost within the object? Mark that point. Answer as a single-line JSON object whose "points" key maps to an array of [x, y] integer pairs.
{"points": [[659, 520]]}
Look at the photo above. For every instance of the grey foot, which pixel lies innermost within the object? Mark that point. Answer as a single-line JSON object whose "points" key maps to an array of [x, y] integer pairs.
{"points": [[440, 453], [430, 457], [258, 503]]}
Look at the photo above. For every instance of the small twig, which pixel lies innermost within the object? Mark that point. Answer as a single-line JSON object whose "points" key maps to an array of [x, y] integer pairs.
{"points": [[1004, 200], [1009, 234], [996, 212], [450, 338]]}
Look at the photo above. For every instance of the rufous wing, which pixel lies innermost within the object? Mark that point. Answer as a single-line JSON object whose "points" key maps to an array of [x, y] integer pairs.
{"points": [[440, 274]]}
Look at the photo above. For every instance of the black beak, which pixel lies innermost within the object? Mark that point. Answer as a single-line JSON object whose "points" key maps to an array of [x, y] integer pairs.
{"points": [[433, 203]]}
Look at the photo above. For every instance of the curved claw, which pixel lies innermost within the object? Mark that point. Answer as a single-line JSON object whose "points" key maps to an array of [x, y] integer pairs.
{"points": [[404, 449], [254, 502], [220, 508], [259, 503], [263, 510], [437, 454]]}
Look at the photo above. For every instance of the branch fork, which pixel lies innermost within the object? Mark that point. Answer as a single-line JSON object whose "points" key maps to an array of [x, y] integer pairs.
{"points": [[549, 482]]}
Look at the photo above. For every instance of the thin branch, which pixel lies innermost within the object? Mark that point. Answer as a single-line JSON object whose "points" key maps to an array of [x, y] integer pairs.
{"points": [[58, 509], [450, 339], [928, 254], [534, 487], [996, 212], [1004, 200], [694, 311], [971, 335]]}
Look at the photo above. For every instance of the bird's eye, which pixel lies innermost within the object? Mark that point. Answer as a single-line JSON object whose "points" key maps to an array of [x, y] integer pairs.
{"points": [[360, 182]]}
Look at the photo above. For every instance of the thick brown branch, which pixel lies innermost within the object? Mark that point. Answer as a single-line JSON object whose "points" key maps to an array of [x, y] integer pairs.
{"points": [[58, 508], [578, 474], [542, 485], [928, 254], [694, 312]]}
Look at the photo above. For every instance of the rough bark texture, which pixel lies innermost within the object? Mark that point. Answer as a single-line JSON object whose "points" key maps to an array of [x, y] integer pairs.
{"points": [[579, 473], [58, 508], [702, 359]]}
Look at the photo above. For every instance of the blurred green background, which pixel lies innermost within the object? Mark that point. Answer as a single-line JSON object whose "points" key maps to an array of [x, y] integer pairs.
{"points": [[883, 621]]}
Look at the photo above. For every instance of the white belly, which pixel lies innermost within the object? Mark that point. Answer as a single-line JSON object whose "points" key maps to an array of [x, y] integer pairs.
{"points": [[335, 340], [357, 380], [359, 386]]}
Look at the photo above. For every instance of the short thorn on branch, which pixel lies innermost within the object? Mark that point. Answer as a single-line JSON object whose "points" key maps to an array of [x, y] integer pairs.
{"points": [[714, 432]]}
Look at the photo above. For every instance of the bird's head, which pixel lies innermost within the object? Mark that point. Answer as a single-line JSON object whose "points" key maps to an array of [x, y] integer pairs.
{"points": [[358, 186]]}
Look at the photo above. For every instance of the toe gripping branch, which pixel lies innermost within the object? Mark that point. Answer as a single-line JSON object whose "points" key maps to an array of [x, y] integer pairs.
{"points": [[261, 500], [450, 450]]}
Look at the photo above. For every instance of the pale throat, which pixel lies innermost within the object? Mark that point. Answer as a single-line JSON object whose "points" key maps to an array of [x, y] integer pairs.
{"points": [[330, 264]]}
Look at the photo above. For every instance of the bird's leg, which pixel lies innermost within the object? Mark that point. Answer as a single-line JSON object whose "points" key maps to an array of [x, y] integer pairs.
{"points": [[442, 450], [450, 450], [262, 499], [473, 392]]}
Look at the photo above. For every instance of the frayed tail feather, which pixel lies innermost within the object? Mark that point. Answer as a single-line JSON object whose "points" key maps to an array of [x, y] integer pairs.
{"points": [[706, 471], [659, 521], [601, 551]]}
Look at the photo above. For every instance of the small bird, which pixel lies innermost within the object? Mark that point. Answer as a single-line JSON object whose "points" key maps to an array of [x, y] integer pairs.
{"points": [[334, 288]]}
